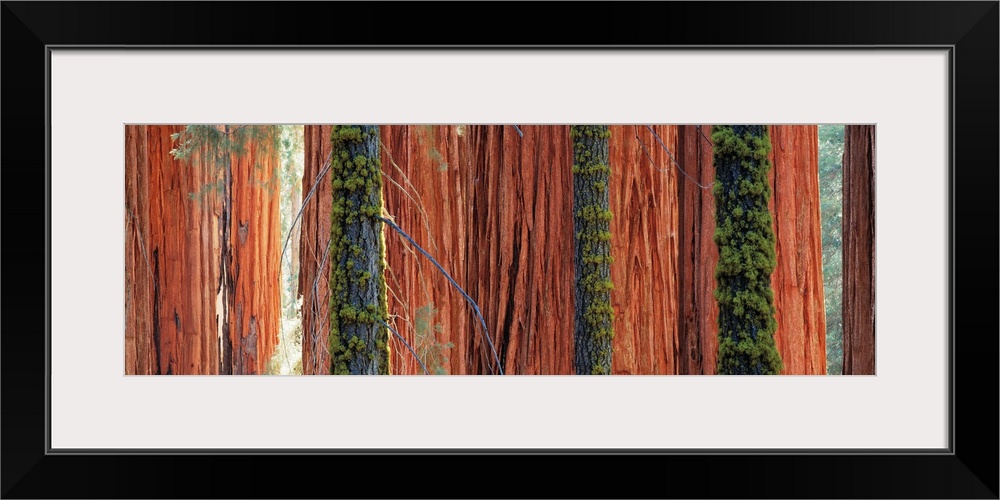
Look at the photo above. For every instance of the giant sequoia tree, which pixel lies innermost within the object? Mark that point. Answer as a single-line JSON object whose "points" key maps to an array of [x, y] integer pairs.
{"points": [[358, 340], [745, 238], [859, 250], [591, 224]]}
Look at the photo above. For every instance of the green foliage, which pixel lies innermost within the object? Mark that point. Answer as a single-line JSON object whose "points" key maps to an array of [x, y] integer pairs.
{"points": [[355, 172], [428, 347], [831, 152], [592, 226], [222, 140], [746, 242], [215, 145]]}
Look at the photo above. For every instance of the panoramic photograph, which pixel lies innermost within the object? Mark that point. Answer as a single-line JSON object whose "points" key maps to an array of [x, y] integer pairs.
{"points": [[622, 249]]}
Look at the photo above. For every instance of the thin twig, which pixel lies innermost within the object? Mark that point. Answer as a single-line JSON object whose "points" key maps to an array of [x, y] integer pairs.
{"points": [[414, 353], [138, 234], [705, 136], [671, 155], [291, 229], [471, 302], [420, 199]]}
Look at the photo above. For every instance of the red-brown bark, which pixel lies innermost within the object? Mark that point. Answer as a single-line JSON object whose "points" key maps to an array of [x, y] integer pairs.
{"points": [[314, 273], [698, 311], [859, 250], [644, 249], [494, 207], [798, 277], [140, 356], [173, 258], [255, 243]]}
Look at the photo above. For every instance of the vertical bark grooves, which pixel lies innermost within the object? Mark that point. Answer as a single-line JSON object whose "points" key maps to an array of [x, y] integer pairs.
{"points": [[173, 260], [521, 226], [592, 250], [644, 246], [798, 277], [254, 317], [859, 250], [358, 338], [139, 278], [697, 253], [314, 274], [495, 209]]}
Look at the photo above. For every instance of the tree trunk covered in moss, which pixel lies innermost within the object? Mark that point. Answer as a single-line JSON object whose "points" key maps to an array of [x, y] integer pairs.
{"points": [[746, 244], [358, 338], [859, 250], [591, 224]]}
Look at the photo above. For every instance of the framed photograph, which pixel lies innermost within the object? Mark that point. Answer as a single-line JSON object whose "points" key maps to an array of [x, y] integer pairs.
{"points": [[196, 153]]}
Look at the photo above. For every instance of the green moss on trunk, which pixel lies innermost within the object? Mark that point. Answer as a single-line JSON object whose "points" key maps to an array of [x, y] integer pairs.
{"points": [[746, 243], [591, 224], [359, 341]]}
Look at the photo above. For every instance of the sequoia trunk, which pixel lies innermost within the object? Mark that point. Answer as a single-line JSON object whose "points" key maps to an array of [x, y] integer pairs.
{"points": [[859, 250]]}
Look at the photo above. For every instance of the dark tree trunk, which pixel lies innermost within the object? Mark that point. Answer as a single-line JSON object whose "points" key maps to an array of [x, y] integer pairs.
{"points": [[697, 255], [745, 236], [859, 250], [140, 356], [591, 225], [359, 341]]}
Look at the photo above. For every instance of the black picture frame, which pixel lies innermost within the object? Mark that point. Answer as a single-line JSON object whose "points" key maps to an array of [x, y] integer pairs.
{"points": [[969, 469]]}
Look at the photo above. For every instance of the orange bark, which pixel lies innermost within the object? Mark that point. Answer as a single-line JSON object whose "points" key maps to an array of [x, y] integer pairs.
{"points": [[314, 273], [255, 242], [798, 277], [173, 259], [495, 209], [644, 249]]}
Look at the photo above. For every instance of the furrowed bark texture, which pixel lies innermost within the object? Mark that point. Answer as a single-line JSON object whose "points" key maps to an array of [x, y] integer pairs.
{"points": [[592, 253], [140, 353], [173, 260], [358, 339], [495, 208], [255, 240], [314, 255], [182, 217], [644, 246], [859, 250], [425, 169], [797, 280], [697, 255]]}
